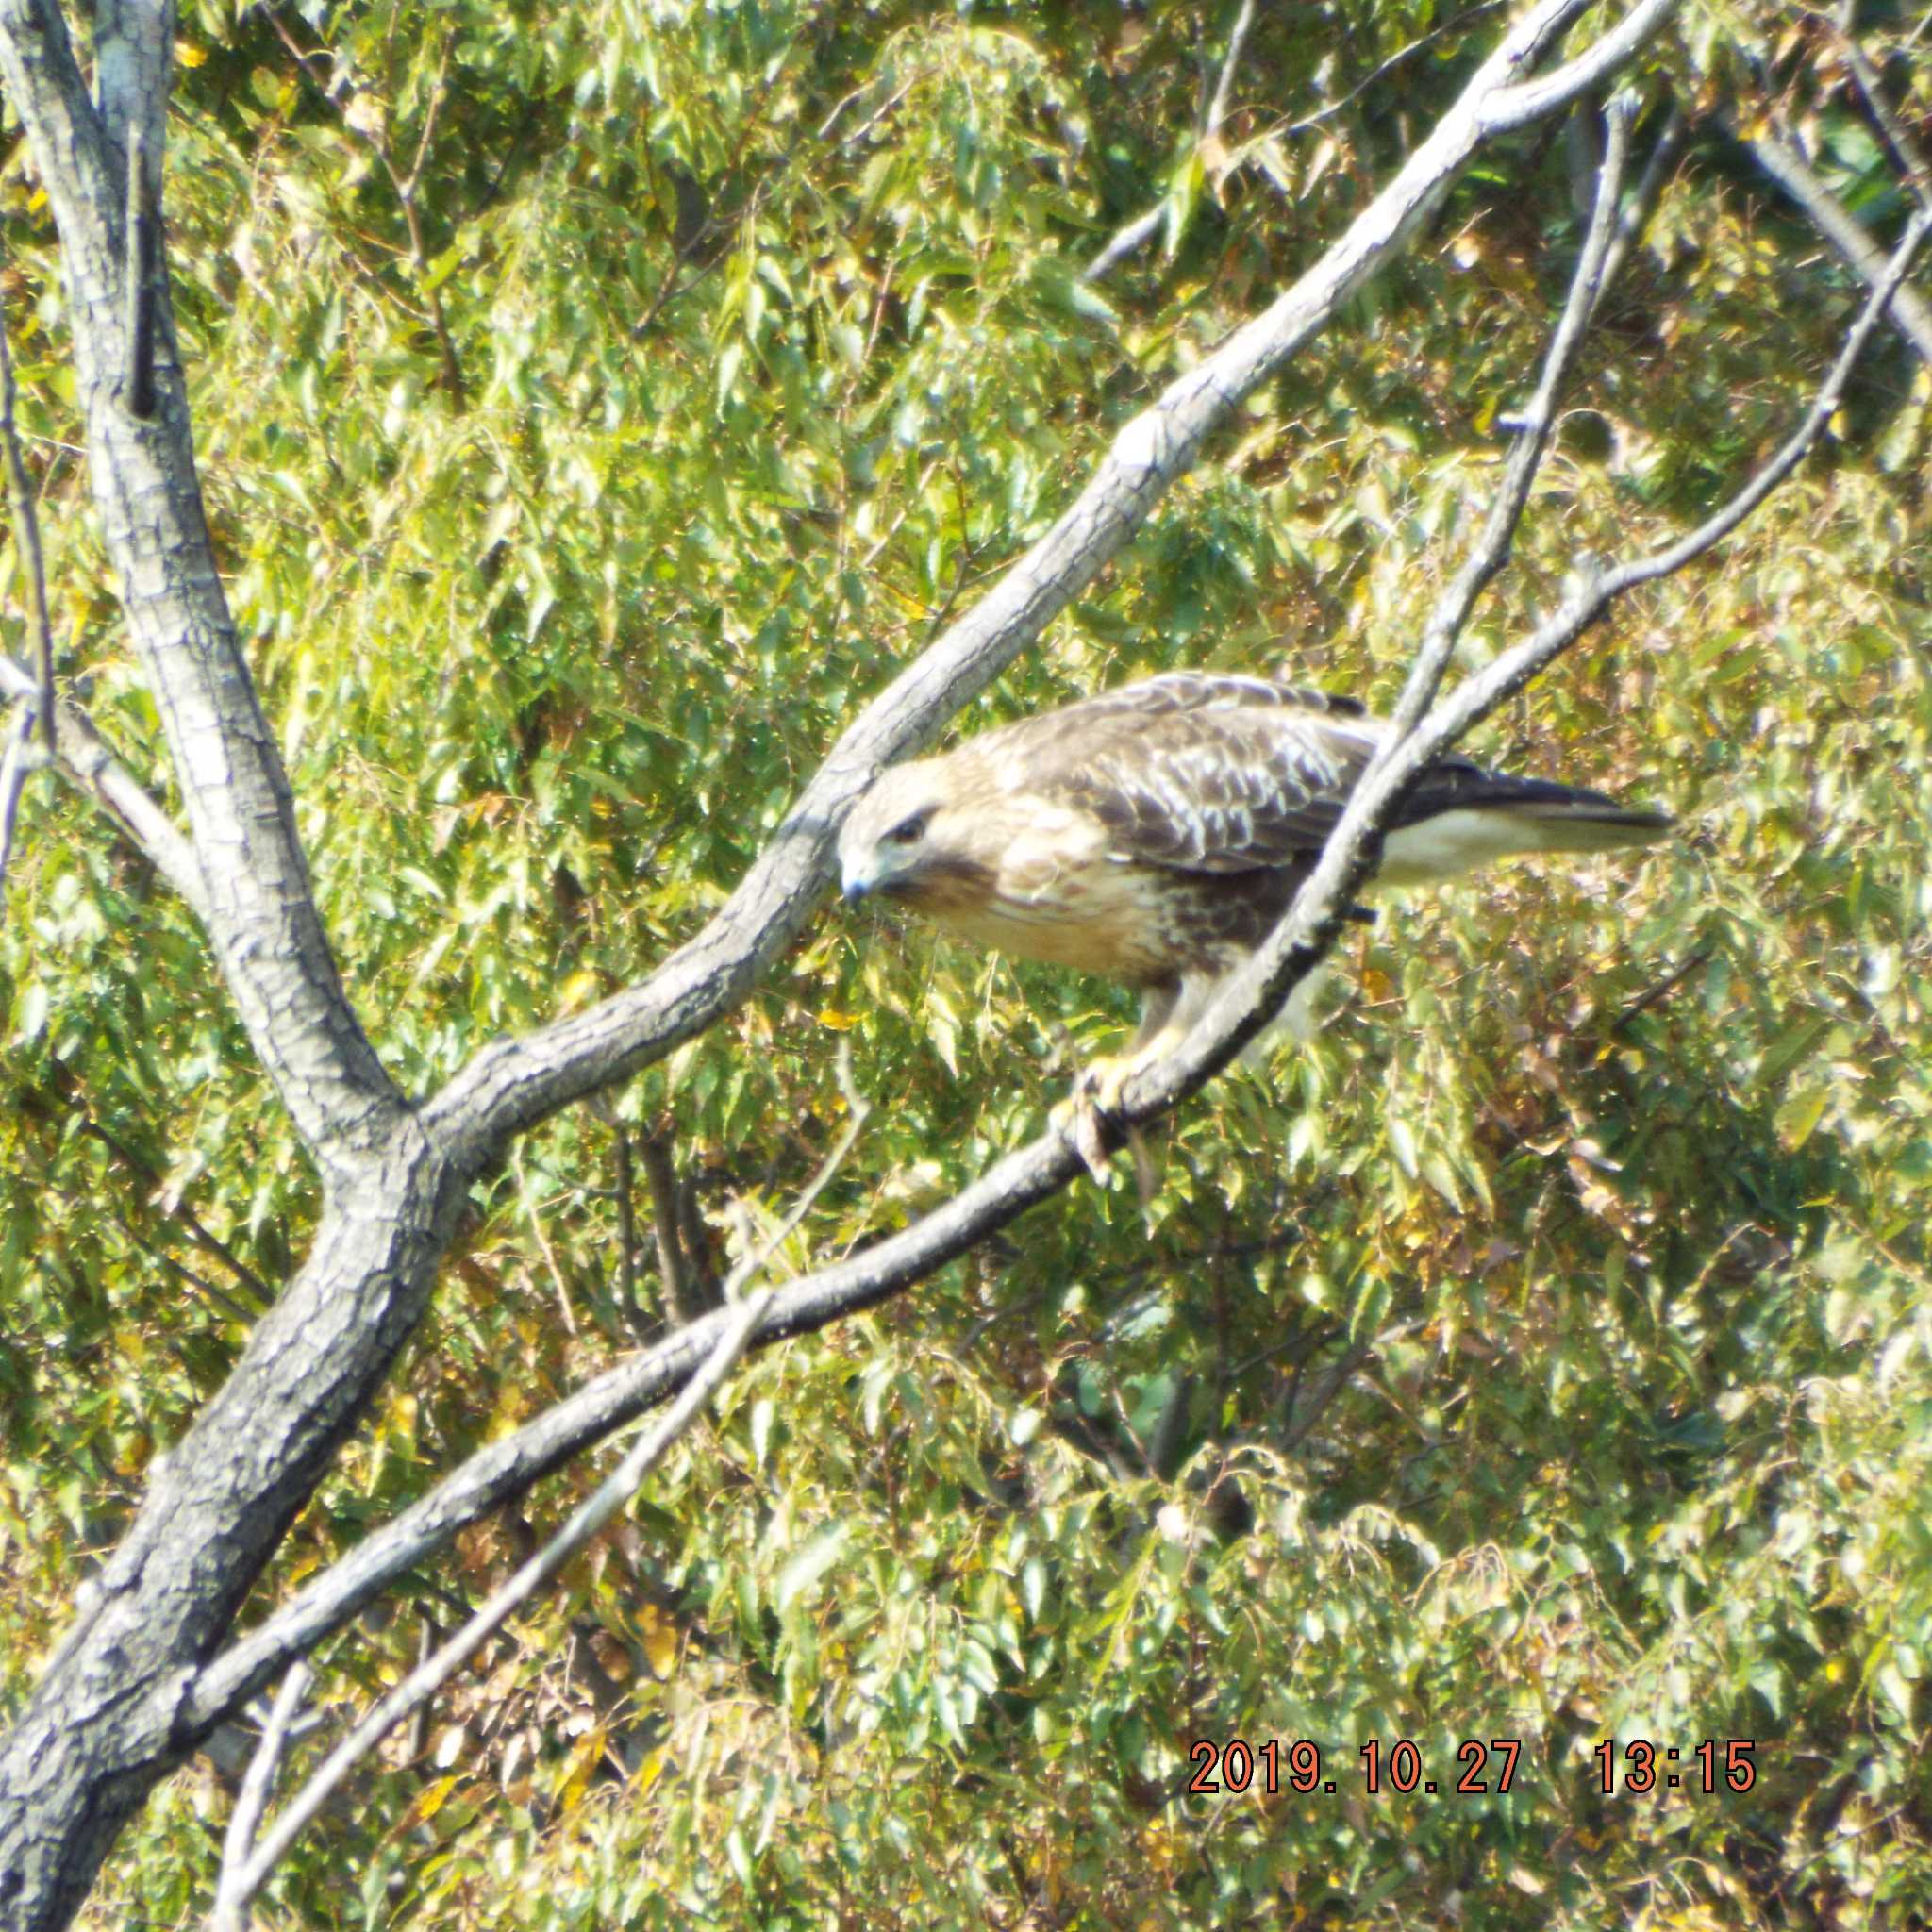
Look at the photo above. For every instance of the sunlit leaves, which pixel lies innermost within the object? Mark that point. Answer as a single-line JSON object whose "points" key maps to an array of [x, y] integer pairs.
{"points": [[1540, 1353]]}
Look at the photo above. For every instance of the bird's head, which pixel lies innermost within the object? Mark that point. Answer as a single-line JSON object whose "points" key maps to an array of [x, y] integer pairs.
{"points": [[896, 843]]}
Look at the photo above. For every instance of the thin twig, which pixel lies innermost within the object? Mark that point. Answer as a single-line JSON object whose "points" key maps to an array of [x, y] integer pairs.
{"points": [[549, 1253], [603, 1503], [1492, 551], [27, 524], [1634, 218], [1781, 158], [1236, 39], [227, 1303], [404, 185], [1388, 66], [1726, 519], [1662, 989], [201, 1236], [674, 1276], [1142, 228], [624, 1185], [231, 1902], [1907, 152], [859, 1111]]}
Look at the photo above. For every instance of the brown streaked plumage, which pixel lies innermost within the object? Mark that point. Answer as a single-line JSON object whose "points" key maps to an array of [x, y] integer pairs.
{"points": [[1156, 834]]}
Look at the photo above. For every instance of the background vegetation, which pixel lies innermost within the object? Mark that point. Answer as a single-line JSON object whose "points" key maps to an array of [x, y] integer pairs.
{"points": [[596, 405]]}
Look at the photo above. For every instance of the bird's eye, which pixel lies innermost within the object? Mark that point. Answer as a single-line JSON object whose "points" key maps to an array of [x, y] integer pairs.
{"points": [[909, 831]]}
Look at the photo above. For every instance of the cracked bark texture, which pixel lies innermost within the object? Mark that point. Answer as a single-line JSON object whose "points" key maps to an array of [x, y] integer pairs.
{"points": [[137, 1680]]}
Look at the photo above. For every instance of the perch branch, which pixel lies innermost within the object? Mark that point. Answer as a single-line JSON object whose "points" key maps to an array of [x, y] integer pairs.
{"points": [[510, 1084], [1028, 1175]]}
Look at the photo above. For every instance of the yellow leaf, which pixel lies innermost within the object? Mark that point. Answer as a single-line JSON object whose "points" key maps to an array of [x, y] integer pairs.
{"points": [[429, 1801], [660, 1641], [580, 990], [583, 1761]]}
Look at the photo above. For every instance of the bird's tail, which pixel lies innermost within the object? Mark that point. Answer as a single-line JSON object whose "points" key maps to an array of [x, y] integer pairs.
{"points": [[1496, 817]]}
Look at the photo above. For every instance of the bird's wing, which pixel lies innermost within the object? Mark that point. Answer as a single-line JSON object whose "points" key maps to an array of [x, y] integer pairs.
{"points": [[1201, 772]]}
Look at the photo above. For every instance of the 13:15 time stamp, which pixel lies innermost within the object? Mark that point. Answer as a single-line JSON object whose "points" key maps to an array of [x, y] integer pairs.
{"points": [[1734, 1771]]}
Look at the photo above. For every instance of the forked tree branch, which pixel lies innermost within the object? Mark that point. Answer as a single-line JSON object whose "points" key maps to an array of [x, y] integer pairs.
{"points": [[1490, 551], [77, 1764], [260, 910], [1245, 1005], [512, 1084], [246, 1878], [1030, 1174], [1634, 217]]}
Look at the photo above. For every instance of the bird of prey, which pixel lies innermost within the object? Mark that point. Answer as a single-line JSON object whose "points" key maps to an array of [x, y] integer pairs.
{"points": [[1157, 833]]}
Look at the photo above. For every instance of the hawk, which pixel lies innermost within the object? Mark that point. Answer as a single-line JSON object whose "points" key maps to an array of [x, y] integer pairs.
{"points": [[1156, 834]]}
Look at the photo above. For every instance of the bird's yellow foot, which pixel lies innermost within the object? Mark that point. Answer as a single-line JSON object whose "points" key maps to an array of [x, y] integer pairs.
{"points": [[1097, 1091]]}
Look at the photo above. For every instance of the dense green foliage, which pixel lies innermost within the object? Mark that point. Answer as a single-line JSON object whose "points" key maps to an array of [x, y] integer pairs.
{"points": [[595, 406]]}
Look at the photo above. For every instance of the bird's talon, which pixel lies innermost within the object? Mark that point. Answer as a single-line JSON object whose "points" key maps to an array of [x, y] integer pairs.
{"points": [[1079, 1118]]}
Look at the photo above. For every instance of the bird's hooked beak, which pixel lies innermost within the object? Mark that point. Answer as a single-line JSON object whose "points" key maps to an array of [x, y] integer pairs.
{"points": [[858, 870]]}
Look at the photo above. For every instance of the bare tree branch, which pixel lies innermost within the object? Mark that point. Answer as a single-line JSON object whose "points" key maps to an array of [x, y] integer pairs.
{"points": [[1490, 551], [1224, 86], [26, 534], [260, 911], [1784, 162], [1251, 997], [1030, 1174], [88, 760], [1531, 100], [1394, 61], [1145, 226], [512, 1083], [1635, 217], [397, 1180], [735, 1329], [230, 1912], [1910, 155], [14, 767]]}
